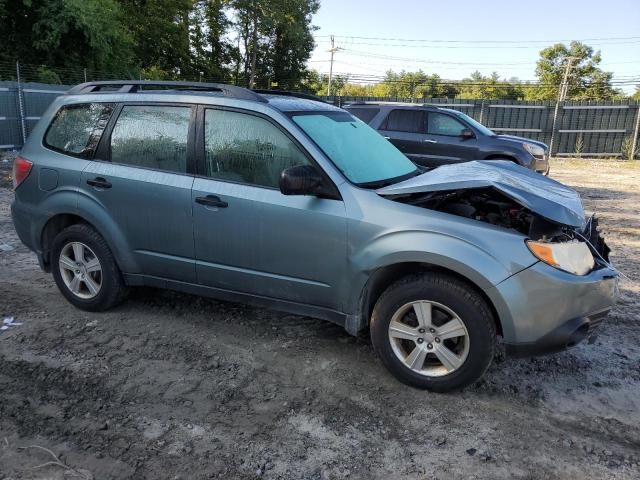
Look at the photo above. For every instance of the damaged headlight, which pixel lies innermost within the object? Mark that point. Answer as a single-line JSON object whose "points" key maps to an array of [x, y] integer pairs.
{"points": [[534, 150], [573, 257]]}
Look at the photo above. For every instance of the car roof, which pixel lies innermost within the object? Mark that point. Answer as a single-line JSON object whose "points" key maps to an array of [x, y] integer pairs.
{"points": [[294, 104], [421, 106], [141, 90]]}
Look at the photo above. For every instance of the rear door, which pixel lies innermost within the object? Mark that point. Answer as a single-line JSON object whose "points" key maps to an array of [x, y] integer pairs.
{"points": [[406, 129], [251, 238], [141, 179], [447, 145]]}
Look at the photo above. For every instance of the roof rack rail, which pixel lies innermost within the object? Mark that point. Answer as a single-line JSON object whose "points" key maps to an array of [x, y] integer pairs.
{"points": [[286, 93], [135, 86]]}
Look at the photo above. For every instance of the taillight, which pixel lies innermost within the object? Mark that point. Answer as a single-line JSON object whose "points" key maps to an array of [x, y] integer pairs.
{"points": [[21, 169]]}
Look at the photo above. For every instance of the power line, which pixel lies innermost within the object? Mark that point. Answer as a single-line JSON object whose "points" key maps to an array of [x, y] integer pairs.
{"points": [[391, 39], [467, 47]]}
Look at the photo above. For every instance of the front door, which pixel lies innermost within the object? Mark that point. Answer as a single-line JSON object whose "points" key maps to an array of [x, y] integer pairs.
{"points": [[251, 238], [446, 142], [140, 179]]}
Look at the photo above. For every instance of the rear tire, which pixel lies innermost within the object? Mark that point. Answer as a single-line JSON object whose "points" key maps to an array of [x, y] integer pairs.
{"points": [[450, 348], [85, 270]]}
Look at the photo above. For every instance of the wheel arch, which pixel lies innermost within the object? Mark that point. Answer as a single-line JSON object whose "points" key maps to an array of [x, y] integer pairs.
{"points": [[502, 156], [383, 277], [105, 228]]}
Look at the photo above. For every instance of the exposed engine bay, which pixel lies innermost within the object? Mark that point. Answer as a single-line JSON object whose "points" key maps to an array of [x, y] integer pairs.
{"points": [[491, 206]]}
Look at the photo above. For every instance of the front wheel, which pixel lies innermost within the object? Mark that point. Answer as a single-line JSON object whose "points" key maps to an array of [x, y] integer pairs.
{"points": [[433, 331]]}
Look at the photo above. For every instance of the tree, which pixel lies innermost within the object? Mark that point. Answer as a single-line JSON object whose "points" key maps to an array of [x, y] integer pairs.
{"points": [[636, 95], [211, 53], [585, 81], [160, 31], [66, 34], [478, 86], [290, 41], [414, 85], [276, 37]]}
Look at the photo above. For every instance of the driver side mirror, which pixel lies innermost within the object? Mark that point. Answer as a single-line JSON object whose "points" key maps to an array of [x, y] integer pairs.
{"points": [[467, 133], [301, 180]]}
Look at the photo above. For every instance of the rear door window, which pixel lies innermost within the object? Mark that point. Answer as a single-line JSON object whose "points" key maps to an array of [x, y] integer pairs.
{"points": [[76, 129], [364, 114], [401, 120], [152, 136], [442, 124]]}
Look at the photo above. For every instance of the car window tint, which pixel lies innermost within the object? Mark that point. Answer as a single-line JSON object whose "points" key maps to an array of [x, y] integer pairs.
{"points": [[411, 121], [441, 124], [152, 136], [76, 129], [364, 114], [247, 149]]}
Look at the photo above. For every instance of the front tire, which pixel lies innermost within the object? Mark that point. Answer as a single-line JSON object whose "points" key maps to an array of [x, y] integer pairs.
{"points": [[85, 270], [433, 331]]}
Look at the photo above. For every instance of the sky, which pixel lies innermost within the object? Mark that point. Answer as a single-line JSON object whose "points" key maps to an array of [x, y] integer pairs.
{"points": [[454, 38]]}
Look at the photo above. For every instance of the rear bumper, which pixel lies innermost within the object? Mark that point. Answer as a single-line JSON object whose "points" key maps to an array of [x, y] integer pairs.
{"points": [[22, 224], [25, 226], [543, 309]]}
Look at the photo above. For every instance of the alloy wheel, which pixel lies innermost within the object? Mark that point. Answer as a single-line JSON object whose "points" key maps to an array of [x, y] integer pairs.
{"points": [[80, 270], [429, 338]]}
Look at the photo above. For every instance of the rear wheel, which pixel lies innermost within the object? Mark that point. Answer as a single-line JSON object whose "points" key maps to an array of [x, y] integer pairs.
{"points": [[433, 331], [85, 270]]}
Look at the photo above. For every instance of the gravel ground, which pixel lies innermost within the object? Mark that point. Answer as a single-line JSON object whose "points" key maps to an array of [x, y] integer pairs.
{"points": [[179, 387]]}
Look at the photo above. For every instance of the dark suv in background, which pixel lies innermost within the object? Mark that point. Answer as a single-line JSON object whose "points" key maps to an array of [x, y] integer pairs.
{"points": [[432, 136]]}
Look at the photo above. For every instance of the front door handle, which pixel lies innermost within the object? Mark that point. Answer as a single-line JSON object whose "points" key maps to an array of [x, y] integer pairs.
{"points": [[430, 141], [212, 201], [99, 182]]}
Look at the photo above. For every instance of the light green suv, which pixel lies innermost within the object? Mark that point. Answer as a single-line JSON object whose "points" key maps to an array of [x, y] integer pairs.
{"points": [[283, 201]]}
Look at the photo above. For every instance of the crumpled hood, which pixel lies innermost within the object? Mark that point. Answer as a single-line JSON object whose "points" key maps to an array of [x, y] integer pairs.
{"points": [[546, 197]]}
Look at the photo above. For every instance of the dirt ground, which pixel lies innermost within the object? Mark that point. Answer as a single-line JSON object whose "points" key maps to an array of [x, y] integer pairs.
{"points": [[171, 386]]}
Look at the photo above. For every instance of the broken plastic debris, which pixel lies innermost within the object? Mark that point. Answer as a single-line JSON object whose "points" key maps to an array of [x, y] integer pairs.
{"points": [[5, 247], [9, 322]]}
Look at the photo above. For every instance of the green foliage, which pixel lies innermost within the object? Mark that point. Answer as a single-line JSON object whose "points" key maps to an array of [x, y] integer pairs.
{"points": [[160, 39], [275, 40], [46, 75], [414, 85], [154, 72], [65, 33], [586, 80], [478, 86], [636, 95]]}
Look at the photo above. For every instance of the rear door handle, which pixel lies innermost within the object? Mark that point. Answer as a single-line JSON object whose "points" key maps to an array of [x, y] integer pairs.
{"points": [[99, 182], [212, 201], [430, 141]]}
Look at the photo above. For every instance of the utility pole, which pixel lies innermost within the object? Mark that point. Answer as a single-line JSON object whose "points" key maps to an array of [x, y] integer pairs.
{"points": [[332, 50], [562, 95], [564, 87]]}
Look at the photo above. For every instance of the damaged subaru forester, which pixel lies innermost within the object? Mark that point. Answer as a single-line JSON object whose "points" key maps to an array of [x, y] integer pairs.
{"points": [[283, 201]]}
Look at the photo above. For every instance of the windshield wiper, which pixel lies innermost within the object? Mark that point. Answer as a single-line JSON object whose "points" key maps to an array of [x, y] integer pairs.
{"points": [[390, 181]]}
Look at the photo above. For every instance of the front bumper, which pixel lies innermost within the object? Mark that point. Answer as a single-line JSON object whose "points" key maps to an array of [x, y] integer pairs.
{"points": [[544, 310]]}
